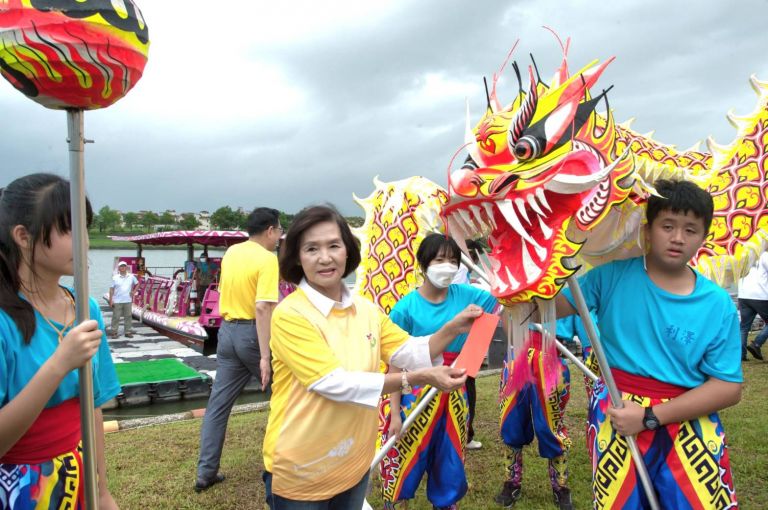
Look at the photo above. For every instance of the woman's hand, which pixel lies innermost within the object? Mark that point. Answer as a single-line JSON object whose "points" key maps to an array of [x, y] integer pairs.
{"points": [[462, 323], [445, 378], [395, 423], [79, 346]]}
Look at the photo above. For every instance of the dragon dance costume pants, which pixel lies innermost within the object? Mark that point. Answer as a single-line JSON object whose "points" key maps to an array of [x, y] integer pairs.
{"points": [[433, 444], [687, 462], [532, 412], [35, 474]]}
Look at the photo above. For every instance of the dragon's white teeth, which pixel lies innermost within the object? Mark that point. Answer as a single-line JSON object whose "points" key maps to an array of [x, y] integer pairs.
{"points": [[457, 225], [520, 203], [478, 217], [467, 222], [489, 212], [508, 211], [532, 271], [535, 205], [512, 282], [545, 229], [543, 199]]}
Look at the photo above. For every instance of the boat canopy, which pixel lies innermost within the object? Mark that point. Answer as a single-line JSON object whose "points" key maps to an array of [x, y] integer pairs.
{"points": [[181, 237]]}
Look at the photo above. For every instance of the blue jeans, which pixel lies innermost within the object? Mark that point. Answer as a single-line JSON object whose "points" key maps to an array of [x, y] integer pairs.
{"points": [[748, 310], [350, 499]]}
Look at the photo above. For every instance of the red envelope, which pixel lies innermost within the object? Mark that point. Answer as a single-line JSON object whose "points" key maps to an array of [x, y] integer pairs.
{"points": [[478, 341]]}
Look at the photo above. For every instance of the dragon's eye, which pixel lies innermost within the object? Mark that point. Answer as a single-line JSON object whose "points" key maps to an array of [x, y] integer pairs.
{"points": [[527, 148]]}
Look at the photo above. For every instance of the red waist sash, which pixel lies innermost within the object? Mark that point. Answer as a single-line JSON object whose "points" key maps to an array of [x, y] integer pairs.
{"points": [[645, 386], [55, 431], [449, 357]]}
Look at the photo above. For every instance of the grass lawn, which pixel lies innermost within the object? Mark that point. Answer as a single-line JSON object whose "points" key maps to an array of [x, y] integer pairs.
{"points": [[154, 467]]}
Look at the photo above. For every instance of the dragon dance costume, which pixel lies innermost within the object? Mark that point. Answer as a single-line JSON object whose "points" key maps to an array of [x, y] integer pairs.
{"points": [[532, 411], [434, 444], [44, 468], [667, 345], [688, 461]]}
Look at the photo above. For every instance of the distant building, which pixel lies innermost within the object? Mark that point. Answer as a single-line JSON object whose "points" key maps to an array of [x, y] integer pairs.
{"points": [[204, 217]]}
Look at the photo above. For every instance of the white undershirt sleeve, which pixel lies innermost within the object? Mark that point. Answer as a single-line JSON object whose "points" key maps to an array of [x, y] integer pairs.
{"points": [[362, 388]]}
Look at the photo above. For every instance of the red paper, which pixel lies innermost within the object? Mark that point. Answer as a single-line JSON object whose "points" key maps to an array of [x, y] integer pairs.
{"points": [[478, 341]]}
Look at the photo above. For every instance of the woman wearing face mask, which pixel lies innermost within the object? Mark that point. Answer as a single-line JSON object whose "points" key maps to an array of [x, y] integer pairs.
{"points": [[448, 427]]}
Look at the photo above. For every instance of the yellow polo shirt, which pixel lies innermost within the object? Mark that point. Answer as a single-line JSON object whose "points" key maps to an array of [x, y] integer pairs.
{"points": [[315, 447], [249, 274]]}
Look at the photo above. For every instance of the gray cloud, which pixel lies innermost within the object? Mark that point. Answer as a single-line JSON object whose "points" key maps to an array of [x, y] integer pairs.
{"points": [[363, 109]]}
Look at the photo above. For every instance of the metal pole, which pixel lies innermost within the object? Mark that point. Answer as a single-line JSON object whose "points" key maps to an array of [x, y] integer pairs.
{"points": [[568, 354], [407, 423], [80, 258], [610, 383]]}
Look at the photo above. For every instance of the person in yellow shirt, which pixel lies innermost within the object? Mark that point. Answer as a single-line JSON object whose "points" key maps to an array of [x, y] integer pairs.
{"points": [[248, 294], [326, 347]]}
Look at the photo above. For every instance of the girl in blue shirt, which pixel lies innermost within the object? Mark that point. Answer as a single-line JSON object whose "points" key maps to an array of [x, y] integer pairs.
{"points": [[40, 350], [435, 443]]}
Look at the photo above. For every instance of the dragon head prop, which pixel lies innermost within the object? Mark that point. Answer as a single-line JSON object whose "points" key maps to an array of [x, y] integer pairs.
{"points": [[543, 164]]}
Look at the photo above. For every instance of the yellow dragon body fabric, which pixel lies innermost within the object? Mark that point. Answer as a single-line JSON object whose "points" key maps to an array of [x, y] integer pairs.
{"points": [[548, 178]]}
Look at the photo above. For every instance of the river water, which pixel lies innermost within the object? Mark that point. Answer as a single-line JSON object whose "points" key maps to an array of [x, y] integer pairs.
{"points": [[102, 262]]}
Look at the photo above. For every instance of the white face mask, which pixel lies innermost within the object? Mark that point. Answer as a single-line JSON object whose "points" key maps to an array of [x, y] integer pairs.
{"points": [[441, 275]]}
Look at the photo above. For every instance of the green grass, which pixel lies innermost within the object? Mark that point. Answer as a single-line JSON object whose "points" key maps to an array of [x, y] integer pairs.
{"points": [[154, 467]]}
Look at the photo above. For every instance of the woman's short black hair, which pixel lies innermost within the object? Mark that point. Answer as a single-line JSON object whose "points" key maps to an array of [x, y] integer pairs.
{"points": [[433, 245], [290, 263], [680, 197]]}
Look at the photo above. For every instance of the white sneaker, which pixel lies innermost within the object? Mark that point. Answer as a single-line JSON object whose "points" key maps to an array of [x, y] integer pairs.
{"points": [[474, 445]]}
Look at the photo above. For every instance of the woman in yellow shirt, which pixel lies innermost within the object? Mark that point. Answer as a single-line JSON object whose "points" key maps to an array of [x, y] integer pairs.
{"points": [[326, 346]]}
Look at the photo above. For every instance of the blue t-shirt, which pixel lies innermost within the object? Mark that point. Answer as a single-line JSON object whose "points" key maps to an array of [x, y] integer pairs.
{"points": [[571, 326], [20, 361], [419, 317], [648, 331]]}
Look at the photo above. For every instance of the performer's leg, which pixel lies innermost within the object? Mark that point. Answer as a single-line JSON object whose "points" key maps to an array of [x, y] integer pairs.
{"points": [[404, 465], [472, 401], [516, 431], [695, 471], [446, 479], [548, 412]]}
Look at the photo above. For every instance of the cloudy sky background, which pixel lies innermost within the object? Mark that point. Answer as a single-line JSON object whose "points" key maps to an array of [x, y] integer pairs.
{"points": [[285, 104]]}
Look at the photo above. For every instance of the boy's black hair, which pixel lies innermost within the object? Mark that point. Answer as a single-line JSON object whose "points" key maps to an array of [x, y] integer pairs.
{"points": [[432, 246], [680, 197], [261, 219]]}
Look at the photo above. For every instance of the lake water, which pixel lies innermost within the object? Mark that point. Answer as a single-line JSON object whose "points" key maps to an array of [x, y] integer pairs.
{"points": [[102, 262]]}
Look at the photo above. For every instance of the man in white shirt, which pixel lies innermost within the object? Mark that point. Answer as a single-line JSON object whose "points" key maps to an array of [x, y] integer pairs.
{"points": [[120, 299], [753, 301]]}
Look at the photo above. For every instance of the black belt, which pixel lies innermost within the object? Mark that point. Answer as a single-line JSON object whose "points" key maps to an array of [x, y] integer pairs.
{"points": [[241, 321]]}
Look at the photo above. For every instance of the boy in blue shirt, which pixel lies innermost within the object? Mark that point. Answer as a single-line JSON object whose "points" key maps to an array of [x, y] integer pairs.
{"points": [[671, 338]]}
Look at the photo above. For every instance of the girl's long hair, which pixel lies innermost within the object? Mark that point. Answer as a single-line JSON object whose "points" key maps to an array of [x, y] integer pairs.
{"points": [[40, 203]]}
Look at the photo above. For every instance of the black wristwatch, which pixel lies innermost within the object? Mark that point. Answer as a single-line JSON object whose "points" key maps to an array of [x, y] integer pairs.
{"points": [[650, 421]]}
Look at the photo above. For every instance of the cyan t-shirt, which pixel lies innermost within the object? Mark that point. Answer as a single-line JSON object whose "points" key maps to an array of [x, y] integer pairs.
{"points": [[648, 331], [571, 326], [20, 361], [419, 317]]}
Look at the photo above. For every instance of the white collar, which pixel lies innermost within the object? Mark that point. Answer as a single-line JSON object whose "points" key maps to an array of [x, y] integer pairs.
{"points": [[324, 303]]}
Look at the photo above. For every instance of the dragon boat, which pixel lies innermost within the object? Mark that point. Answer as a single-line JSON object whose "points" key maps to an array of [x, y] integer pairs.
{"points": [[185, 305]]}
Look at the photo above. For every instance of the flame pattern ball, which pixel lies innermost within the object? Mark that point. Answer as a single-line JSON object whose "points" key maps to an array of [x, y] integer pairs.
{"points": [[72, 54]]}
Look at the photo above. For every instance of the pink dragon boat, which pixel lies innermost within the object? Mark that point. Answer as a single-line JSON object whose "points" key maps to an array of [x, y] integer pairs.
{"points": [[185, 305]]}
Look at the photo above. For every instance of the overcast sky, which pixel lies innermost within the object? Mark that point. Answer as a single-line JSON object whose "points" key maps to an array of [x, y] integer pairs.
{"points": [[284, 104]]}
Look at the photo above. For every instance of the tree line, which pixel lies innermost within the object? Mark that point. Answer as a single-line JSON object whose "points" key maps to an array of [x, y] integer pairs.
{"points": [[223, 218]]}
